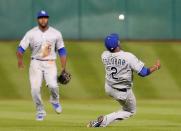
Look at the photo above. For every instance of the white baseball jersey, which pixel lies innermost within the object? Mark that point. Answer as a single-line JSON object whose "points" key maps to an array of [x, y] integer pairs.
{"points": [[43, 44], [119, 68]]}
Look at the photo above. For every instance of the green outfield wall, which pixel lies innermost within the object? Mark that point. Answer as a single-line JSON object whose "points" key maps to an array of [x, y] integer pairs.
{"points": [[93, 19]]}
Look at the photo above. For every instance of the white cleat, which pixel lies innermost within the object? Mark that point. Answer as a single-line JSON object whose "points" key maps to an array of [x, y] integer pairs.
{"points": [[57, 107]]}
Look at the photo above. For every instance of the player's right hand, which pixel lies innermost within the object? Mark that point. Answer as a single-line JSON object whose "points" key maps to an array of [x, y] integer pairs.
{"points": [[20, 64], [158, 64]]}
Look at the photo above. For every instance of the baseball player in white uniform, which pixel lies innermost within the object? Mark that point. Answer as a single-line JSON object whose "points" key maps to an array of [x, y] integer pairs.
{"points": [[44, 41], [119, 67]]}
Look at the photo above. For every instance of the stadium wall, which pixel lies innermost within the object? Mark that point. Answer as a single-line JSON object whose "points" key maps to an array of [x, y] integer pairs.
{"points": [[93, 19]]}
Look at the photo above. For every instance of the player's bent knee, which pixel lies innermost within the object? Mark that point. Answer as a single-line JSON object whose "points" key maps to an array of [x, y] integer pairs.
{"points": [[132, 114]]}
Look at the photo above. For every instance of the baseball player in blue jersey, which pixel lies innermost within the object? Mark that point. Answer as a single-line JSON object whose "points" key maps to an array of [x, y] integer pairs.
{"points": [[119, 66], [44, 41]]}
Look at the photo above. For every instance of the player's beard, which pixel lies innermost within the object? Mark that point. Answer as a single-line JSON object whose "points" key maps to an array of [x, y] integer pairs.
{"points": [[43, 25]]}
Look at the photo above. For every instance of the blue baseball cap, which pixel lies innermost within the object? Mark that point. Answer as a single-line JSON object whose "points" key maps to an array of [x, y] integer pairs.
{"points": [[41, 14], [111, 41], [115, 35]]}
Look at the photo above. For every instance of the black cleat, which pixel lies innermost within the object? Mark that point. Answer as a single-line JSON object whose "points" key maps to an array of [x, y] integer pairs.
{"points": [[96, 123]]}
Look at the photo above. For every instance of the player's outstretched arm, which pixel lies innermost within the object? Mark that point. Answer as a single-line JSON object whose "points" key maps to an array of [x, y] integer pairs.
{"points": [[155, 67], [147, 71], [19, 55]]}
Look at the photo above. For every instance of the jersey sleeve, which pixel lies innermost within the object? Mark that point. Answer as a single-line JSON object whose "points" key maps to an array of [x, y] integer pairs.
{"points": [[135, 63], [103, 56], [24, 43], [60, 42]]}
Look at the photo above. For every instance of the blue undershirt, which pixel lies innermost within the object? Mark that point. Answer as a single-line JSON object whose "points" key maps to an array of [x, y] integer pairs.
{"points": [[144, 72], [62, 52], [21, 50]]}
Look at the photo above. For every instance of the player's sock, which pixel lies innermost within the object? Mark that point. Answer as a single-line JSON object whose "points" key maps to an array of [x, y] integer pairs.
{"points": [[54, 98], [115, 116]]}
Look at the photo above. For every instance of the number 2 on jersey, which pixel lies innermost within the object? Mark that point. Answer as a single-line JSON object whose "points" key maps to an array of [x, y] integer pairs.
{"points": [[114, 72]]}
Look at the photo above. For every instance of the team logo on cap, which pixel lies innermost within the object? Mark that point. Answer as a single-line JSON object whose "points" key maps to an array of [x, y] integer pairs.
{"points": [[43, 12]]}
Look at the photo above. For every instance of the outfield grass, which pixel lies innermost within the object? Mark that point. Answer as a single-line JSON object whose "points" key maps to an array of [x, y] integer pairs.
{"points": [[160, 115], [84, 98], [87, 71]]}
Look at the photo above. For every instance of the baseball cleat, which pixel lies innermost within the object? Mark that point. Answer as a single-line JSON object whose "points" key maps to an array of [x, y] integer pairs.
{"points": [[57, 107], [96, 123], [40, 116]]}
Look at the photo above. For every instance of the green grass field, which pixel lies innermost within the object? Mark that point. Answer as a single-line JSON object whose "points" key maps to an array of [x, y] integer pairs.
{"points": [[84, 99], [151, 115], [87, 71]]}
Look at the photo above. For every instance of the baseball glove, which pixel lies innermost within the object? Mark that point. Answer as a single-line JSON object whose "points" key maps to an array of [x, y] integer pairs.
{"points": [[64, 78]]}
